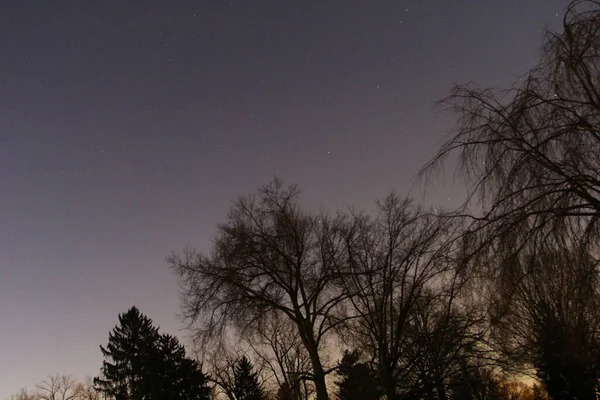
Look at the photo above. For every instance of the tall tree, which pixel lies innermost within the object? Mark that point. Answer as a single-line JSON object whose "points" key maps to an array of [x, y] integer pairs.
{"points": [[529, 154], [246, 384], [392, 261], [270, 256]]}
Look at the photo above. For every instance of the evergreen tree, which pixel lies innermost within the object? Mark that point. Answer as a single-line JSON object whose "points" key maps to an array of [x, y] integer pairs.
{"points": [[125, 373], [180, 376], [246, 384], [141, 364], [358, 381]]}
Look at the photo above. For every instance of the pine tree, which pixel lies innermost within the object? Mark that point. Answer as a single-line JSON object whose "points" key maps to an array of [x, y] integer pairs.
{"points": [[181, 377], [246, 384], [358, 382], [125, 373], [141, 364]]}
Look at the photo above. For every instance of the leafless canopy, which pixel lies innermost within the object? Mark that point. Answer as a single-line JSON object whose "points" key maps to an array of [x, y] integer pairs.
{"points": [[532, 152], [269, 257], [394, 260], [545, 315]]}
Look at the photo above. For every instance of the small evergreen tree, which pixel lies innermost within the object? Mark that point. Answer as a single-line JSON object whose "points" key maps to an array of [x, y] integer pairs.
{"points": [[357, 380], [246, 384]]}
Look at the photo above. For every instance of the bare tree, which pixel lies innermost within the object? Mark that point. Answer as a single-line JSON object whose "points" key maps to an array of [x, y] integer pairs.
{"points": [[279, 348], [220, 364], [61, 387], [393, 260], [24, 394], [531, 154], [86, 390], [57, 387], [546, 317], [446, 340], [270, 256]]}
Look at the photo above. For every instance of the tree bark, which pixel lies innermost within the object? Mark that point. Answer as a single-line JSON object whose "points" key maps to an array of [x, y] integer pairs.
{"points": [[441, 390], [318, 372], [389, 382]]}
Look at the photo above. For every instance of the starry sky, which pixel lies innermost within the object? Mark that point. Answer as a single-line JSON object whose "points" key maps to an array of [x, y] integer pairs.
{"points": [[127, 128]]}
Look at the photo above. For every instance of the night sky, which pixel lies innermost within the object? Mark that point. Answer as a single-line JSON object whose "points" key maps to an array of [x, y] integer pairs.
{"points": [[127, 128]]}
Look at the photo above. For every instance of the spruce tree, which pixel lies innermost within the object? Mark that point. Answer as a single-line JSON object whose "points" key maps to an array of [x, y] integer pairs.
{"points": [[246, 384], [357, 380], [180, 376], [141, 364], [125, 373]]}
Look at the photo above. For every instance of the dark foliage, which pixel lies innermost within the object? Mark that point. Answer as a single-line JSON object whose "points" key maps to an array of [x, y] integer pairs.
{"points": [[357, 381], [141, 364], [246, 383]]}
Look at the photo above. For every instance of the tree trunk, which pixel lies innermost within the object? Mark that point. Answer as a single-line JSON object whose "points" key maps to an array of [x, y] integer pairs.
{"points": [[318, 373], [320, 385], [386, 375], [317, 367], [441, 390]]}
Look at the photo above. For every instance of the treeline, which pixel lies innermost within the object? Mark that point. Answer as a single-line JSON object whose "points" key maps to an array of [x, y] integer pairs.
{"points": [[409, 302], [431, 305], [60, 387]]}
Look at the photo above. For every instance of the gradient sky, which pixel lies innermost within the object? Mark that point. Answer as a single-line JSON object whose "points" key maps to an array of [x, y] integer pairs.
{"points": [[127, 128]]}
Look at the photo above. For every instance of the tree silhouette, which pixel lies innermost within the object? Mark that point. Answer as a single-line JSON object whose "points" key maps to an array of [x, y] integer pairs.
{"points": [[280, 350], [125, 370], [393, 259], [357, 380], [545, 316], [86, 391], [180, 376], [475, 382], [444, 341], [530, 153], [57, 387], [142, 364], [246, 384], [530, 157], [270, 256]]}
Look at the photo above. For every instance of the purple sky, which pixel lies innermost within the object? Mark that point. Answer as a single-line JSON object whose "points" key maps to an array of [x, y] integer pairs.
{"points": [[127, 129]]}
